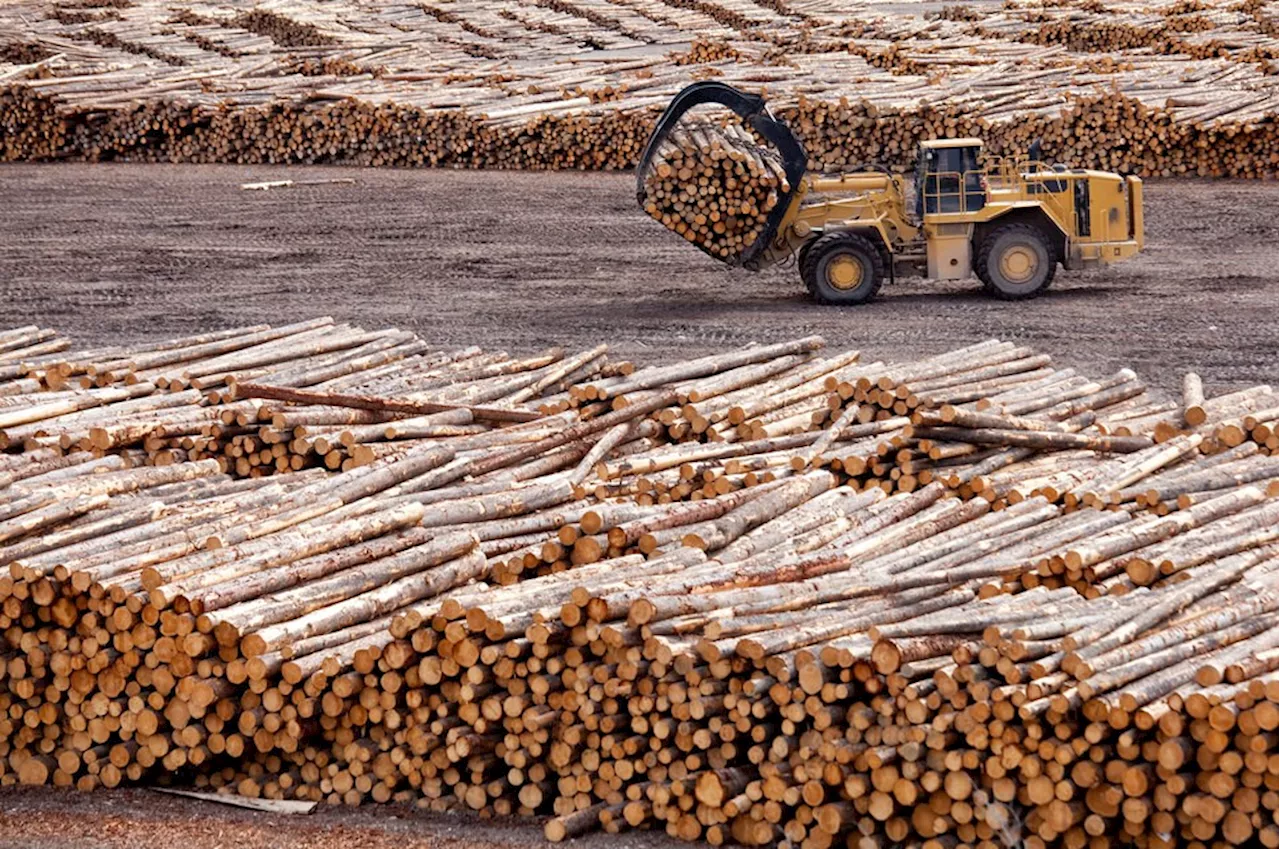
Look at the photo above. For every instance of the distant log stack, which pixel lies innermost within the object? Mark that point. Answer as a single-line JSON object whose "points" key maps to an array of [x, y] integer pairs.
{"points": [[703, 50], [1157, 90]]}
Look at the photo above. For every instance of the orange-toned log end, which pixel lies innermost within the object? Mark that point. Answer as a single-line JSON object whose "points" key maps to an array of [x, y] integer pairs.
{"points": [[707, 650], [291, 672], [35, 770], [749, 649], [225, 633], [886, 657], [586, 550], [811, 678], [257, 669], [570, 614], [642, 612], [1140, 571], [252, 645], [709, 790], [597, 610], [693, 541], [151, 580]]}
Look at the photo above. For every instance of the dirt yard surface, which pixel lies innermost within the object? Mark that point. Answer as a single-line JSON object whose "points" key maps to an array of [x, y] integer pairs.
{"points": [[46, 818], [525, 260]]}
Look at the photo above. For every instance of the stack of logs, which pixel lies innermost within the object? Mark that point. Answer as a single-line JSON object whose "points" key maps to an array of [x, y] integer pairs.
{"points": [[550, 592], [713, 184], [1178, 89]]}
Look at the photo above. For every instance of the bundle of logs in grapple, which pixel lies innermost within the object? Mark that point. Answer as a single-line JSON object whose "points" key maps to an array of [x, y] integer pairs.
{"points": [[701, 597], [715, 185]]}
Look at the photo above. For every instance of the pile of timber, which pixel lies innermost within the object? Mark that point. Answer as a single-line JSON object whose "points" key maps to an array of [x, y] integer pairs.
{"points": [[281, 29], [24, 344], [703, 50], [715, 185], [578, 83], [909, 700], [515, 620], [1200, 30], [184, 399]]}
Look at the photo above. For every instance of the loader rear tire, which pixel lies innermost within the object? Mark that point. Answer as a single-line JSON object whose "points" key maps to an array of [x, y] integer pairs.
{"points": [[842, 268], [1016, 262]]}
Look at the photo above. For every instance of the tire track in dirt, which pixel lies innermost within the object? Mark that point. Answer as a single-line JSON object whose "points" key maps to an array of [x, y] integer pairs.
{"points": [[523, 260]]}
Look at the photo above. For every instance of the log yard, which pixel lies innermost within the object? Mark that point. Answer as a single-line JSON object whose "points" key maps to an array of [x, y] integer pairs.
{"points": [[639, 423]]}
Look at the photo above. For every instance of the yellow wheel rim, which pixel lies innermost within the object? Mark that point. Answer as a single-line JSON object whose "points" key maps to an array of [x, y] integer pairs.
{"points": [[1019, 264], [844, 273]]}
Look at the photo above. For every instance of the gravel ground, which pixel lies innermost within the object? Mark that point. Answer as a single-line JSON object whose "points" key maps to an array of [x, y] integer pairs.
{"points": [[48, 818], [525, 260]]}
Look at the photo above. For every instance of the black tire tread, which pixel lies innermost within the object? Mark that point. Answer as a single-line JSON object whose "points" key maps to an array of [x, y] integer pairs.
{"points": [[982, 262], [813, 254]]}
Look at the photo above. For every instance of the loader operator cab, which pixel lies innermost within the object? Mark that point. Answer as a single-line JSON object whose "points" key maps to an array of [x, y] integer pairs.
{"points": [[948, 178]]}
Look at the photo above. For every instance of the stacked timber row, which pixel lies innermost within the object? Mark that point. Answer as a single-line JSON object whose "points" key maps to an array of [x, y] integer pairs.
{"points": [[507, 620], [714, 185], [1110, 131], [1171, 90], [608, 693], [993, 418], [704, 50], [1144, 87], [180, 400], [22, 345]]}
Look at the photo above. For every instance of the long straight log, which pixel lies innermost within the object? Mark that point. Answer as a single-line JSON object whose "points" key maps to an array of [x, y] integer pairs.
{"points": [[382, 405]]}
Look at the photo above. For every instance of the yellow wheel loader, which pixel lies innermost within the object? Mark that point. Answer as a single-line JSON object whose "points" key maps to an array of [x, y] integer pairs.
{"points": [[1009, 221]]}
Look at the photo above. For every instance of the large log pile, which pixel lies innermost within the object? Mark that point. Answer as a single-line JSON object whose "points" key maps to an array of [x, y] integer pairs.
{"points": [[715, 185], [1155, 89], [968, 600]]}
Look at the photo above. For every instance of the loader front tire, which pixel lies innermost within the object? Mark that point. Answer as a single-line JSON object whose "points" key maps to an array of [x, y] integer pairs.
{"points": [[842, 268], [1015, 262]]}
